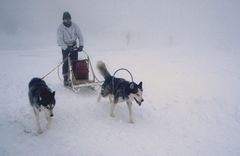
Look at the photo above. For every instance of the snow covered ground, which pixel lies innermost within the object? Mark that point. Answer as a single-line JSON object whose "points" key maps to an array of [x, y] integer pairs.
{"points": [[191, 105]]}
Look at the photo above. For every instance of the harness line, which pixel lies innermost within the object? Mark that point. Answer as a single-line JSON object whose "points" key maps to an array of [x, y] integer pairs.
{"points": [[54, 68], [57, 67], [118, 71]]}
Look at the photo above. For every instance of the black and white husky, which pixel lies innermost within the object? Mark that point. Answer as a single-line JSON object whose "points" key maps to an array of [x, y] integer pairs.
{"points": [[41, 99], [118, 90]]}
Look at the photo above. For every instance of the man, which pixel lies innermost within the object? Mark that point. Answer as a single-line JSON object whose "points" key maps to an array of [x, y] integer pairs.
{"points": [[67, 35]]}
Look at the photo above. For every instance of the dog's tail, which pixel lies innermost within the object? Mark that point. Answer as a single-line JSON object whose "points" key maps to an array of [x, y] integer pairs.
{"points": [[103, 69]]}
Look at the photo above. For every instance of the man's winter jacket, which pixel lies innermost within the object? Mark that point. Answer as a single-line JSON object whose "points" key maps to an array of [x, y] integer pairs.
{"points": [[67, 36]]}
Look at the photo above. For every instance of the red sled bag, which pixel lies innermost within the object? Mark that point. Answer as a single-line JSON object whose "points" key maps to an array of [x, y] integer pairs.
{"points": [[80, 69]]}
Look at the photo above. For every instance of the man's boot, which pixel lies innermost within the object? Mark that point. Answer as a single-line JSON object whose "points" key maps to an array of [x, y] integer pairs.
{"points": [[65, 82]]}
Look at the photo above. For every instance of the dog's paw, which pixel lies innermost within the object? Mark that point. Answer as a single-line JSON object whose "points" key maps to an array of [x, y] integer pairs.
{"points": [[131, 121], [98, 100], [112, 115], [48, 125], [40, 131]]}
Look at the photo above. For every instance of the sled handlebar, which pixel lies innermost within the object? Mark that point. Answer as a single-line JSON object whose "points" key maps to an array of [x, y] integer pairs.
{"points": [[83, 52]]}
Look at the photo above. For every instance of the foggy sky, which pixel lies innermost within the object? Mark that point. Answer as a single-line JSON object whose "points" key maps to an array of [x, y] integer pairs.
{"points": [[148, 23]]}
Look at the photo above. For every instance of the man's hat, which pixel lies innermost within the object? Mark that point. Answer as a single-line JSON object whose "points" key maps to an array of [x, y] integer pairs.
{"points": [[66, 15]]}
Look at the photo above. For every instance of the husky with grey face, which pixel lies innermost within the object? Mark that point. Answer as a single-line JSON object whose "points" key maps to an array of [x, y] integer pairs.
{"points": [[118, 90], [41, 98]]}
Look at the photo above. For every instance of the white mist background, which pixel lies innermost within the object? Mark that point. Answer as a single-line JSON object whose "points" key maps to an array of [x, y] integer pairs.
{"points": [[112, 24]]}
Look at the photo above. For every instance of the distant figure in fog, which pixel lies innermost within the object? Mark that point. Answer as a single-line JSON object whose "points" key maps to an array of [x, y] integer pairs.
{"points": [[67, 35]]}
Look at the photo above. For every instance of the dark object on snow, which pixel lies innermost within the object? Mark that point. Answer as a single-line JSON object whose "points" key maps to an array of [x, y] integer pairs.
{"points": [[119, 89], [80, 48], [41, 98], [40, 95], [73, 56], [80, 69]]}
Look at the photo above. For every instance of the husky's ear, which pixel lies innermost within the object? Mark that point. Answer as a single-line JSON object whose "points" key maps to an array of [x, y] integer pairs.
{"points": [[140, 85], [53, 93], [131, 86]]}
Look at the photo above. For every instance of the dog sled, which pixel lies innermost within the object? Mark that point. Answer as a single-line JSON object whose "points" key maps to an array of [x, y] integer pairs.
{"points": [[81, 73]]}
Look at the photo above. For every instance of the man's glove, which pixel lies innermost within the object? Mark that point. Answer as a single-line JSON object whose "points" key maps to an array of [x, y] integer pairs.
{"points": [[80, 48], [71, 49]]}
